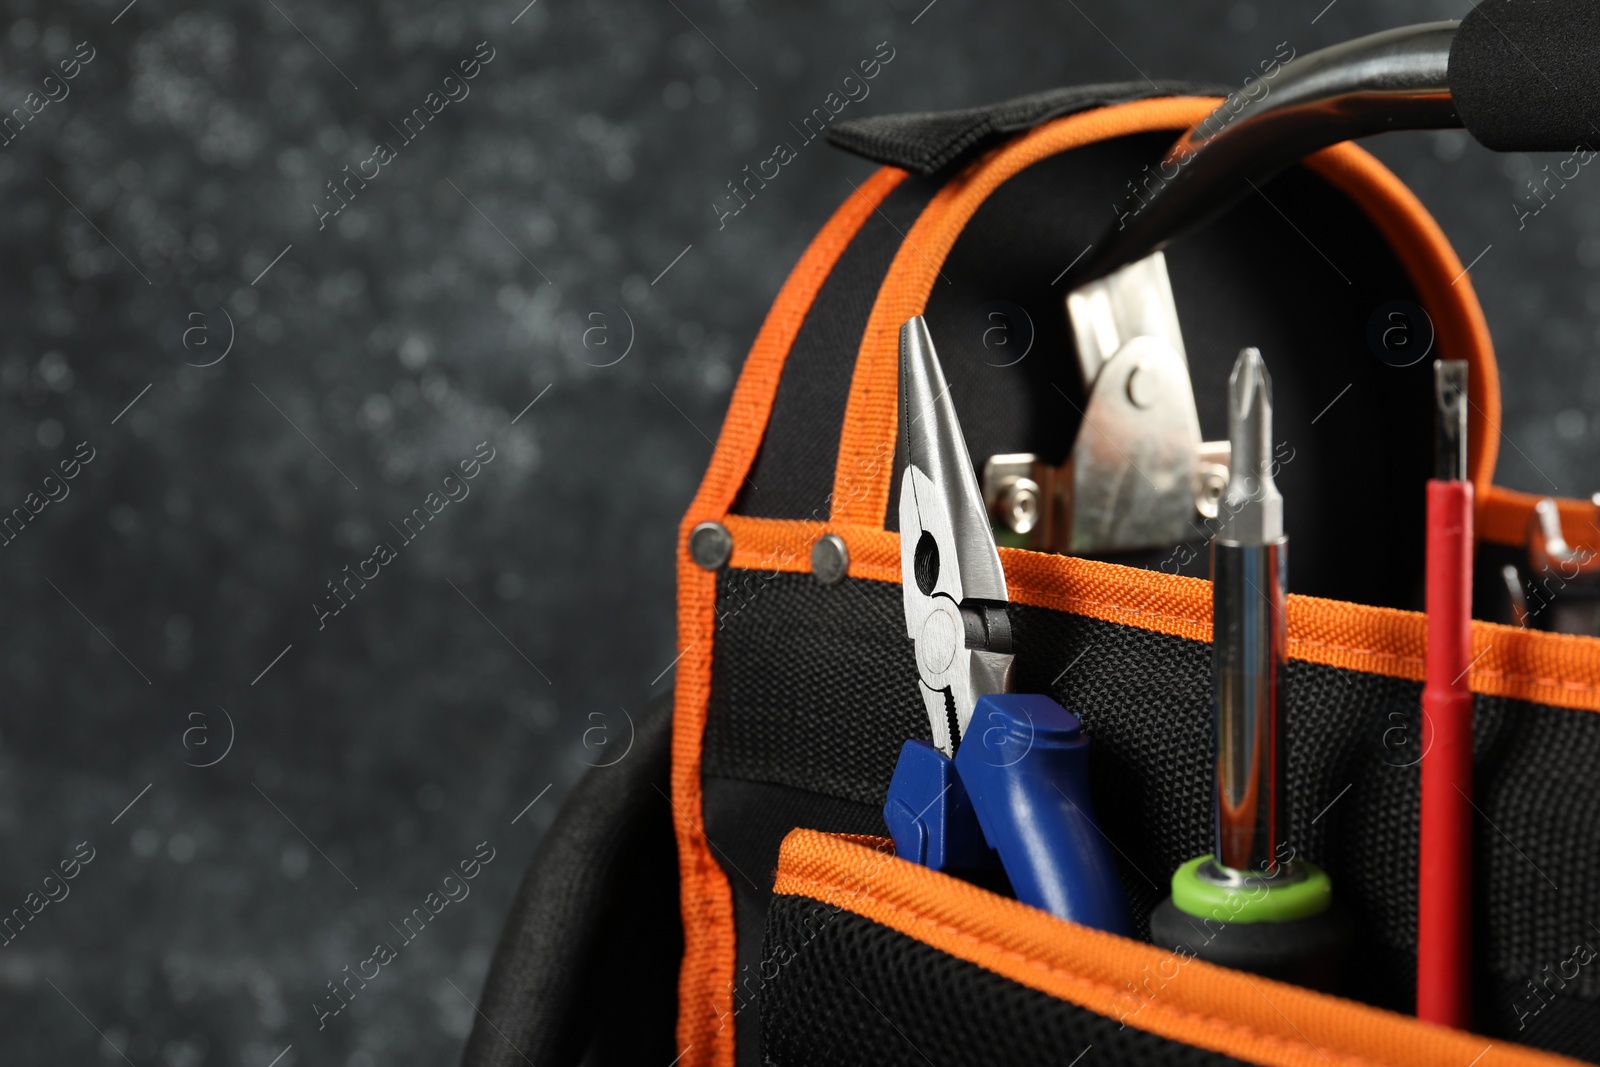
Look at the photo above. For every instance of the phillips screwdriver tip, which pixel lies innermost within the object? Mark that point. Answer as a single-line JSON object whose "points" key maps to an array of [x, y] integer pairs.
{"points": [[1251, 510], [1249, 381]]}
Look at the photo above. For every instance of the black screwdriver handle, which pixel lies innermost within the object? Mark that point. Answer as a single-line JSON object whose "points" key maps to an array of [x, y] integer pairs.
{"points": [[1525, 74]]}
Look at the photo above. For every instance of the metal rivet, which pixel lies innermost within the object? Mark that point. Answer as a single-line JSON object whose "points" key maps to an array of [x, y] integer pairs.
{"points": [[1019, 505], [710, 545], [1213, 483], [936, 647], [1144, 385], [830, 559]]}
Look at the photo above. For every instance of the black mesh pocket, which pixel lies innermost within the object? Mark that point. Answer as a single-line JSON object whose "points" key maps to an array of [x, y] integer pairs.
{"points": [[814, 689], [838, 989]]}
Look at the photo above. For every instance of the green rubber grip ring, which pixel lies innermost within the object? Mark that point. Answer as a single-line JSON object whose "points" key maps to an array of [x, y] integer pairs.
{"points": [[1258, 903]]}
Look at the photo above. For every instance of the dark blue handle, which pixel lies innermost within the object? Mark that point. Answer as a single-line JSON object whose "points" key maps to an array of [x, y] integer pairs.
{"points": [[929, 815], [1024, 763]]}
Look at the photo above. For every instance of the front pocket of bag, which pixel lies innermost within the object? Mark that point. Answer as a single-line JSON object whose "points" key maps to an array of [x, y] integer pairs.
{"points": [[815, 690], [869, 959]]}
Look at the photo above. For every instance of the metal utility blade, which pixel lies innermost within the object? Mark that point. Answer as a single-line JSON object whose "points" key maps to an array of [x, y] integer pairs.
{"points": [[954, 586], [1136, 472]]}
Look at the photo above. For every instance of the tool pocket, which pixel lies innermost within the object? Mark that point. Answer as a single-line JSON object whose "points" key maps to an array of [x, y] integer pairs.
{"points": [[869, 959], [1129, 651]]}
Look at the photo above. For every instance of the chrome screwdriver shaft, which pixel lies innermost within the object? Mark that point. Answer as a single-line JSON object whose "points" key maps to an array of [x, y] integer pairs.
{"points": [[1249, 571]]}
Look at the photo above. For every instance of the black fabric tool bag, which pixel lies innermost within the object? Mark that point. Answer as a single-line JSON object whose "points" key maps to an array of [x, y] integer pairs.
{"points": [[805, 940]]}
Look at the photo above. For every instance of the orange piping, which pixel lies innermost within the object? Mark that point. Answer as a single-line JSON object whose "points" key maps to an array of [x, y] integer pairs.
{"points": [[872, 413], [1555, 669], [1151, 989], [705, 985], [1504, 515], [1430, 261]]}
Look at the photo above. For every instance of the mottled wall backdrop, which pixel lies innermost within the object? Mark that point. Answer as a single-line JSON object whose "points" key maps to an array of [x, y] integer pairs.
{"points": [[350, 473]]}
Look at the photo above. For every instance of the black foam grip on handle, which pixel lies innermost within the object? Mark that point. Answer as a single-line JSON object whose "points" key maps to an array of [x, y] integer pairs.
{"points": [[1525, 74]]}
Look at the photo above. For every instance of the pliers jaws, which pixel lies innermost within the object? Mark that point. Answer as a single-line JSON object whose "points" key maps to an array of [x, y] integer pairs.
{"points": [[954, 586]]}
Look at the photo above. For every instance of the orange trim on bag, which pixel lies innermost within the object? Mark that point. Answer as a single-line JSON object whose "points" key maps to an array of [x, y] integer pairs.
{"points": [[1504, 516], [1152, 989], [871, 412], [1555, 669], [1443, 287], [871, 415], [705, 985]]}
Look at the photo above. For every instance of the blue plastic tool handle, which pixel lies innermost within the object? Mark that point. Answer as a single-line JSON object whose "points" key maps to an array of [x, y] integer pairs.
{"points": [[1024, 764], [929, 815]]}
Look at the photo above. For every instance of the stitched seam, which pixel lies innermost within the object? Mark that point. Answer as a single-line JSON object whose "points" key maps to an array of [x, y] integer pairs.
{"points": [[1121, 609], [1065, 601], [1211, 1021], [1555, 683], [1308, 642]]}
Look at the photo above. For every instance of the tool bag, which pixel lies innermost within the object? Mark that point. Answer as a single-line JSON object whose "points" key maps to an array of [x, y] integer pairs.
{"points": [[804, 939]]}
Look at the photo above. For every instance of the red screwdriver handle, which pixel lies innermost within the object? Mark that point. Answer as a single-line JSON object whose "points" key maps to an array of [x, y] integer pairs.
{"points": [[1444, 876]]}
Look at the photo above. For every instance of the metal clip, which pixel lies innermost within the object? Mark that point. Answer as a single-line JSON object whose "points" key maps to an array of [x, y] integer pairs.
{"points": [[1030, 502]]}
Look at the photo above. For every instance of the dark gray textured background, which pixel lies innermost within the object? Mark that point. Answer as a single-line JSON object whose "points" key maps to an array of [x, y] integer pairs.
{"points": [[495, 656]]}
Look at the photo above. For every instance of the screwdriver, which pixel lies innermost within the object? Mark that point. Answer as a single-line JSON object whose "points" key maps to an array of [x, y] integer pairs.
{"points": [[1251, 904], [1444, 855]]}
